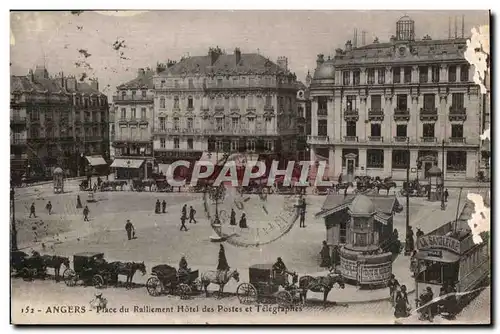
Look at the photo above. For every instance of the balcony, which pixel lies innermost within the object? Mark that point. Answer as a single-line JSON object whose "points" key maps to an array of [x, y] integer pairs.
{"points": [[400, 139], [322, 112], [269, 108], [251, 109], [235, 109], [119, 99], [219, 108], [457, 140], [205, 109], [190, 108], [428, 139], [376, 138], [401, 114], [238, 132], [428, 114], [353, 139], [143, 121], [178, 131], [318, 140], [351, 115], [122, 121], [17, 120], [133, 121], [376, 114], [458, 114]]}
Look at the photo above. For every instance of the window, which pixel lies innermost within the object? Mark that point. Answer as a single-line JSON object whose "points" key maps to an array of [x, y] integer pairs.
{"points": [[234, 145], [351, 102], [176, 123], [250, 101], [190, 83], [428, 130], [402, 102], [322, 103], [162, 83], [322, 127], [435, 73], [251, 145], [396, 75], [381, 75], [219, 145], [162, 143], [176, 102], [356, 77], [457, 101], [190, 123], [190, 102], [235, 82], [143, 113], [376, 130], [347, 151], [235, 123], [176, 84], [457, 131], [133, 116], [124, 93], [400, 158], [429, 102], [162, 123], [370, 76], [143, 93], [162, 102], [190, 143], [423, 74], [375, 158], [343, 232], [351, 129], [376, 102], [269, 101], [464, 73], [234, 102], [176, 143], [268, 144], [456, 161], [219, 83], [407, 74], [218, 124], [452, 73], [401, 130], [346, 78]]}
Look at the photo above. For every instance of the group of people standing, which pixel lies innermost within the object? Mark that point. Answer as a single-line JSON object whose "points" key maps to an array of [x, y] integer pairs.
{"points": [[243, 219]]}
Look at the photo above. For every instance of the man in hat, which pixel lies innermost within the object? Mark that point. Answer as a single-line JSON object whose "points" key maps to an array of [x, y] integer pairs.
{"points": [[164, 206], [32, 210], [192, 212], [130, 229], [86, 212], [49, 207], [183, 223]]}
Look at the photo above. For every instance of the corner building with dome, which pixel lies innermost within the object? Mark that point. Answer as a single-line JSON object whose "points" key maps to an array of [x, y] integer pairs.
{"points": [[377, 108]]}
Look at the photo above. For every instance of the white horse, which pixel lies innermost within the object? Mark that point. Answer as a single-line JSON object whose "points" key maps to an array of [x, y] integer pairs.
{"points": [[219, 277]]}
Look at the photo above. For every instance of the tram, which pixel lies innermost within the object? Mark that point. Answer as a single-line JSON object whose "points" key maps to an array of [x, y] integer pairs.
{"points": [[449, 256]]}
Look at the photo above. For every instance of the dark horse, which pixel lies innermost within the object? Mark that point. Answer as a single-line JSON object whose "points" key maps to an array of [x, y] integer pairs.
{"points": [[319, 284], [55, 261], [387, 184], [127, 269]]}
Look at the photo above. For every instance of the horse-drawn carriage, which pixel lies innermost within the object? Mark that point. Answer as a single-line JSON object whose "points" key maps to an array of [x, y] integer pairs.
{"points": [[166, 279], [414, 188], [265, 283], [113, 185], [143, 185], [91, 268], [323, 190], [365, 183], [163, 186], [27, 267]]}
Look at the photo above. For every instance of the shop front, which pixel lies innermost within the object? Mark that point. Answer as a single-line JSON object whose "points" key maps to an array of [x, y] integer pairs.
{"points": [[128, 169]]}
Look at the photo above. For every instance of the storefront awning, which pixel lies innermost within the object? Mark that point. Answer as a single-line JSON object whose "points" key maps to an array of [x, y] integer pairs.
{"points": [[438, 255], [127, 163], [96, 160]]}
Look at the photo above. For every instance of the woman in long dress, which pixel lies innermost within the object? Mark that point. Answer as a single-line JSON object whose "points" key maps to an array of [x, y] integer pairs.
{"points": [[222, 265], [325, 256], [243, 221], [78, 202], [402, 307]]}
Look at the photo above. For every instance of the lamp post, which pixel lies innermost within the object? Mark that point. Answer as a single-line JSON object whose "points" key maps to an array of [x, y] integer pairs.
{"points": [[128, 171], [216, 194], [408, 186], [443, 207], [13, 230]]}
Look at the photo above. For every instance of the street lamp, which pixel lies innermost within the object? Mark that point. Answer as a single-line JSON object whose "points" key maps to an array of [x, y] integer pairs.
{"points": [[442, 178], [128, 171], [408, 190], [13, 230], [216, 194]]}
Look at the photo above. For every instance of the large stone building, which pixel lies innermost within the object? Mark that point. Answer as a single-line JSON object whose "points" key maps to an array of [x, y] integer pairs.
{"points": [[131, 131], [240, 102], [56, 121], [382, 106]]}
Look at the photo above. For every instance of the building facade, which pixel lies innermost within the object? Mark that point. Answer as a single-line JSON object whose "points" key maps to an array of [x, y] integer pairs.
{"points": [[131, 131], [224, 103], [56, 121], [380, 108]]}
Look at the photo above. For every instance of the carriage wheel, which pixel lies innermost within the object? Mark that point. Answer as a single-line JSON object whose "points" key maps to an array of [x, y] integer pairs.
{"points": [[153, 285], [26, 274], [284, 298], [196, 285], [69, 277], [98, 281], [246, 293], [183, 291]]}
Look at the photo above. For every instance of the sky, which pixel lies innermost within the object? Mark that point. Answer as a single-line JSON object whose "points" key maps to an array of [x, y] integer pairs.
{"points": [[73, 44]]}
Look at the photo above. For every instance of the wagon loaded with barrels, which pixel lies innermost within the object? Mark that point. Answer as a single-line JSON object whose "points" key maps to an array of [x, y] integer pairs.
{"points": [[92, 269], [167, 280], [265, 283]]}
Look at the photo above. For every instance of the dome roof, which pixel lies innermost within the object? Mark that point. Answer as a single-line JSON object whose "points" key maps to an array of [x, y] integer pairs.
{"points": [[405, 18], [434, 171], [58, 170], [325, 71], [362, 205]]}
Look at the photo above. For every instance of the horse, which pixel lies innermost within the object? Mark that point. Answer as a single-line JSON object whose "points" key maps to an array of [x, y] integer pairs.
{"points": [[386, 186], [219, 277], [127, 269], [319, 284], [55, 261], [341, 186]]}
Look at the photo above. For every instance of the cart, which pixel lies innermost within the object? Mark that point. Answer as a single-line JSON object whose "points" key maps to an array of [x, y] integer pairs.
{"points": [[167, 280], [92, 269], [25, 266], [265, 283]]}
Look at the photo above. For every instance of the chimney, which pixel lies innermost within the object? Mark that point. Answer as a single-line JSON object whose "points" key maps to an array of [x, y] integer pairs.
{"points": [[283, 63], [214, 54], [320, 60], [71, 83], [31, 76], [94, 83], [171, 63], [237, 54], [141, 72], [348, 46], [62, 80]]}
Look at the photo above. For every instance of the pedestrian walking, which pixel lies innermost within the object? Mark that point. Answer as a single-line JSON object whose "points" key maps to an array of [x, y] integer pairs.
{"points": [[78, 202], [233, 218], [325, 256], [410, 242], [164, 206], [99, 181], [222, 264], [243, 221], [183, 223], [184, 210], [86, 212], [419, 233], [345, 192], [49, 207], [95, 187], [446, 194], [393, 285], [32, 210], [157, 206], [192, 212], [402, 306], [130, 230], [302, 213]]}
